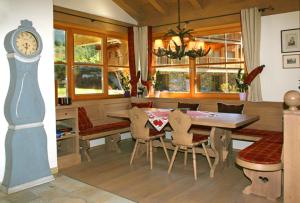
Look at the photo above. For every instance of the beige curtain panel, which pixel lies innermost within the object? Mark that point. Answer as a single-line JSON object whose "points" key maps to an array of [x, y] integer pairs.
{"points": [[251, 25], [141, 50]]}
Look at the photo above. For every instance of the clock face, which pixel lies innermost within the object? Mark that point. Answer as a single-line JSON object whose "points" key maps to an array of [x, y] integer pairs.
{"points": [[26, 43]]}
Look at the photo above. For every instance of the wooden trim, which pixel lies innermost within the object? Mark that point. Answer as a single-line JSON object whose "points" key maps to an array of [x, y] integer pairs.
{"points": [[64, 25], [91, 17], [219, 29], [259, 167], [54, 170]]}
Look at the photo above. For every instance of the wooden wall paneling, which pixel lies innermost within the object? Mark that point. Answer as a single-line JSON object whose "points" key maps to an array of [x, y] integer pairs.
{"points": [[291, 151]]}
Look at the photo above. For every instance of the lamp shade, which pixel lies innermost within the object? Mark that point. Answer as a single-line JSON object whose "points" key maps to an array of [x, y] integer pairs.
{"points": [[158, 44]]}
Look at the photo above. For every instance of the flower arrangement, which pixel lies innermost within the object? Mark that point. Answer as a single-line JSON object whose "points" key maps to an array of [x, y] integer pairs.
{"points": [[240, 81]]}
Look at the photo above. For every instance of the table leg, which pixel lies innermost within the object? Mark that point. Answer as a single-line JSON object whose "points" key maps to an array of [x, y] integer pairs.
{"points": [[220, 142]]}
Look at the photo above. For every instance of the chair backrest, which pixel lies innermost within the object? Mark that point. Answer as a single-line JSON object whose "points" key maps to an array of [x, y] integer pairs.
{"points": [[138, 119], [180, 124]]}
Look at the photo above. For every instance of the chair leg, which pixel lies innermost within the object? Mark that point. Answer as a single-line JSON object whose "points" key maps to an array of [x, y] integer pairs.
{"points": [[206, 154], [151, 155], [173, 159], [194, 163], [85, 146], [165, 149], [147, 152], [185, 156], [134, 150]]}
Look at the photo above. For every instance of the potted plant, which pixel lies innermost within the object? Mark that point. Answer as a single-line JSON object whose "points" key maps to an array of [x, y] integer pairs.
{"points": [[241, 85], [125, 82], [158, 85]]}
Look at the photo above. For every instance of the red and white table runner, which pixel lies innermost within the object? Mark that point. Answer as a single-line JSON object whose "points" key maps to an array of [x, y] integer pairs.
{"points": [[159, 117]]}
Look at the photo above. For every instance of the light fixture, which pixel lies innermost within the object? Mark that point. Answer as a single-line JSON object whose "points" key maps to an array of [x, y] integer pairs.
{"points": [[179, 44]]}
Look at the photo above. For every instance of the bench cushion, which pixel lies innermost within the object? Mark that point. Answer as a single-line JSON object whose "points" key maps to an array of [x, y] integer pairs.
{"points": [[192, 107], [228, 108], [257, 133], [83, 120], [142, 105], [105, 128], [262, 152]]}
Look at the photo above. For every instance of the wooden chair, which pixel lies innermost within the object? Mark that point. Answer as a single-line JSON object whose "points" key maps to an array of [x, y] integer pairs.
{"points": [[143, 134], [184, 140]]}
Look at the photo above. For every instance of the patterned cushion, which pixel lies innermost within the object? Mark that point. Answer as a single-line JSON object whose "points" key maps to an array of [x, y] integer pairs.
{"points": [[83, 120], [200, 127], [226, 108], [142, 105], [192, 107], [262, 152], [199, 138], [105, 128]]}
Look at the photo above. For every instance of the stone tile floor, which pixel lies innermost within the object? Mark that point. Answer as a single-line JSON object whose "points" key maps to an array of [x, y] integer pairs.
{"points": [[63, 190]]}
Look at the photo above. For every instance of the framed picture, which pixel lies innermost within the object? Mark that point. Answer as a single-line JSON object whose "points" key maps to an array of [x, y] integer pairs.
{"points": [[290, 40], [291, 61]]}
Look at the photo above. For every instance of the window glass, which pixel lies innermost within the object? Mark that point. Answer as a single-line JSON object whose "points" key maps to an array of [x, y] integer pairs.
{"points": [[117, 52], [175, 79], [88, 79], [60, 65], [88, 49], [115, 75], [59, 45], [61, 78], [212, 79]]}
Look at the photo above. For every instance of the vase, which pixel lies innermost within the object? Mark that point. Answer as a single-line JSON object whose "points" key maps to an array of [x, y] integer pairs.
{"points": [[156, 93], [243, 96], [127, 94]]}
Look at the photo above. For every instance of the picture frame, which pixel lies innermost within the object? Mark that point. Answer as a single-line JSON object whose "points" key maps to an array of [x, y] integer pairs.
{"points": [[290, 40], [291, 61]]}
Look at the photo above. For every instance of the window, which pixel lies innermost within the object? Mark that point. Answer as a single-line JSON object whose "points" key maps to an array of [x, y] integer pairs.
{"points": [[174, 73], [89, 64], [214, 73]]}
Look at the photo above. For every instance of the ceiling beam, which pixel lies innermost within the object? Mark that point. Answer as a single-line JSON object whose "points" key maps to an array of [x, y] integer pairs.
{"points": [[157, 6], [196, 4], [127, 8]]}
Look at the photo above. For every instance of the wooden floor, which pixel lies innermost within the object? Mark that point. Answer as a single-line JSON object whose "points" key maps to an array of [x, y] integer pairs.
{"points": [[111, 171]]}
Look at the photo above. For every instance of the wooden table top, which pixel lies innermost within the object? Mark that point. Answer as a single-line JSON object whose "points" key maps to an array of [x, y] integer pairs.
{"points": [[213, 119]]}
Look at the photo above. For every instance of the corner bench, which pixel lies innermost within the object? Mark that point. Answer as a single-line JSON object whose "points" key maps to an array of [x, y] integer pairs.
{"points": [[109, 131], [261, 162]]}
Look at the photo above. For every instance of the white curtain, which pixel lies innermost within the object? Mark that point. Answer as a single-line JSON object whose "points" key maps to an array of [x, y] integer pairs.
{"points": [[251, 21], [141, 50]]}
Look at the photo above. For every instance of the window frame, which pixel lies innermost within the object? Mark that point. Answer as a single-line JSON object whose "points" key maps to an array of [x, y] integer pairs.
{"points": [[70, 30]]}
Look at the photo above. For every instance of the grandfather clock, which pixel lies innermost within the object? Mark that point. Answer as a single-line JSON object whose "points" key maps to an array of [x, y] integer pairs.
{"points": [[26, 140]]}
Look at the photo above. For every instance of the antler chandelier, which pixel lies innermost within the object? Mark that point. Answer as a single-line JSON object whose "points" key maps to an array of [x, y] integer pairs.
{"points": [[180, 48]]}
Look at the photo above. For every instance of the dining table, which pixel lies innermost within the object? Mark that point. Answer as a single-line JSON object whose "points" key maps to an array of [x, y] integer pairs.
{"points": [[221, 126]]}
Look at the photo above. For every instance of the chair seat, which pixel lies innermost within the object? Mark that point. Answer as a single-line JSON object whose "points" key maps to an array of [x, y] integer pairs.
{"points": [[199, 138], [154, 132], [105, 128]]}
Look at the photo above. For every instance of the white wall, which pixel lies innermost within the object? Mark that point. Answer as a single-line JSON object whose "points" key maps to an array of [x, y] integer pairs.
{"points": [[104, 8], [275, 80], [41, 14]]}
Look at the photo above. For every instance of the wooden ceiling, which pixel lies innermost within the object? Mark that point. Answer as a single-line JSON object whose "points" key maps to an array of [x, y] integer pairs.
{"points": [[158, 12]]}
